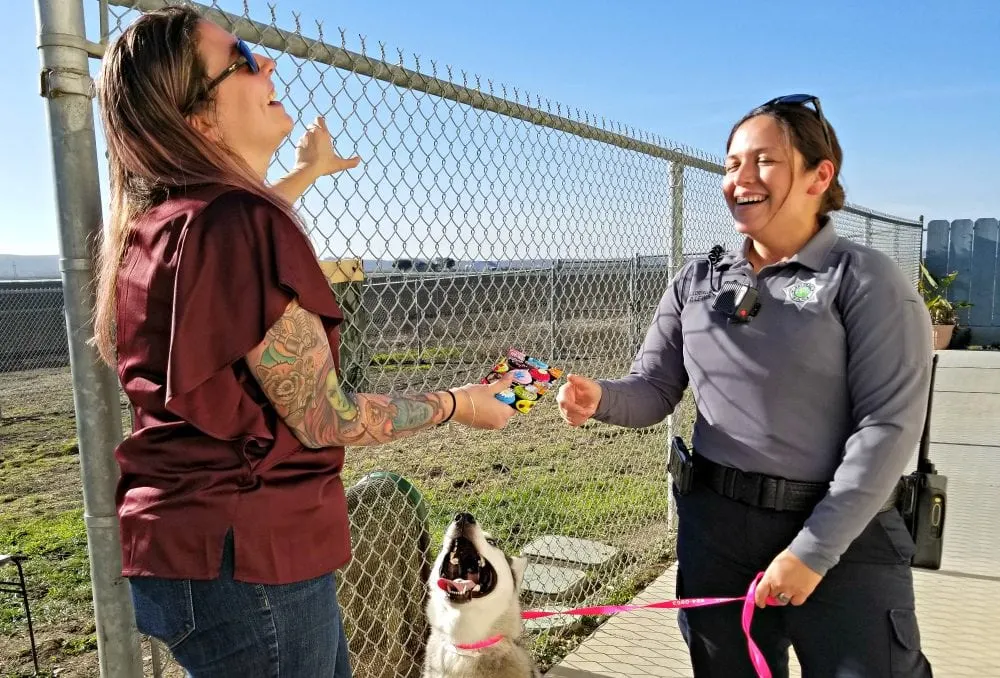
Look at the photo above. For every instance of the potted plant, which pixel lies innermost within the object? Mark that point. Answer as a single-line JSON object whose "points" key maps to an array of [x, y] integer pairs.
{"points": [[944, 313]]}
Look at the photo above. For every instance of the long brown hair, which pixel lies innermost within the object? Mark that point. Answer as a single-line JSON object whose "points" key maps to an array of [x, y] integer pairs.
{"points": [[149, 75]]}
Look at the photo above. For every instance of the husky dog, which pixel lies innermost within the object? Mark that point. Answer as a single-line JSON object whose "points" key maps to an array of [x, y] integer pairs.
{"points": [[473, 609]]}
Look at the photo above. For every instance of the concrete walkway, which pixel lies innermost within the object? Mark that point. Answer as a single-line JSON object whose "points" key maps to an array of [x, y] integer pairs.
{"points": [[958, 606]]}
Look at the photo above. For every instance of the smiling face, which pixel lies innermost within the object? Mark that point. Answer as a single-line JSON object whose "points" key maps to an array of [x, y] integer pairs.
{"points": [[767, 185], [244, 115]]}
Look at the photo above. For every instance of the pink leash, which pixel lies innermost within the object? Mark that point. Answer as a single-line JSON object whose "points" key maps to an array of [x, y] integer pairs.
{"points": [[756, 656]]}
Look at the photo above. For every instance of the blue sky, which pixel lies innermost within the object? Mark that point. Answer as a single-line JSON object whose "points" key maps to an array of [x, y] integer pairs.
{"points": [[914, 96]]}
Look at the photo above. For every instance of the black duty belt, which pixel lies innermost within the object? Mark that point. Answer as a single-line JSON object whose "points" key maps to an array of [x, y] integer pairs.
{"points": [[762, 491]]}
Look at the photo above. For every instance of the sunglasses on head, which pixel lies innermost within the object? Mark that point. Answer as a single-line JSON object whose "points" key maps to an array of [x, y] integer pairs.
{"points": [[246, 58], [802, 100]]}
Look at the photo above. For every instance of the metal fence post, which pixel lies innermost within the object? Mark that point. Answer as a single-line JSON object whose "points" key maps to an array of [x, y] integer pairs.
{"points": [[347, 279], [66, 86], [555, 314], [922, 244], [633, 304], [921, 250], [676, 263], [676, 216], [353, 348], [421, 308], [896, 233]]}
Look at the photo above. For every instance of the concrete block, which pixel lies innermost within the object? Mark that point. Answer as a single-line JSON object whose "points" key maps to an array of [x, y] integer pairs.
{"points": [[552, 581], [586, 554]]}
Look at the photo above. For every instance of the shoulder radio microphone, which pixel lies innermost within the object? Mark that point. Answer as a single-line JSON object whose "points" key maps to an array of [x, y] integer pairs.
{"points": [[735, 299]]}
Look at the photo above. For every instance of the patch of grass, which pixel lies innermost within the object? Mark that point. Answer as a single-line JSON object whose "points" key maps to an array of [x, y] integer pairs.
{"points": [[533, 502], [81, 645], [41, 516], [57, 569], [549, 649], [536, 477], [412, 357], [398, 367]]}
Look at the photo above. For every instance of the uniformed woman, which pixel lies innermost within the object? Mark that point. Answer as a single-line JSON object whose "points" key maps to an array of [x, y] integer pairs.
{"points": [[809, 356]]}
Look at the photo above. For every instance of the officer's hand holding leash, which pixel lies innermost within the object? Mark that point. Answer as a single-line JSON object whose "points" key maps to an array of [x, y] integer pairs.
{"points": [[578, 399], [788, 579]]}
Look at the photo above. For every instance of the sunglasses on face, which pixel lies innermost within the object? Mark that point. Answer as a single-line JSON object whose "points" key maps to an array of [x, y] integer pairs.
{"points": [[246, 58], [802, 100]]}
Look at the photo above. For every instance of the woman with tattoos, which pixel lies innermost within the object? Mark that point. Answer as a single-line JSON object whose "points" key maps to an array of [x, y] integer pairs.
{"points": [[224, 332]]}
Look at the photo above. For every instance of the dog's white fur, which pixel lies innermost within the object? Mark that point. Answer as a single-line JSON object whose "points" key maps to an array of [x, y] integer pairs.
{"points": [[465, 623]]}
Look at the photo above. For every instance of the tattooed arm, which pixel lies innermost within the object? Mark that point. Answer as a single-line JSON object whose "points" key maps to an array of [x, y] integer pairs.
{"points": [[295, 368]]}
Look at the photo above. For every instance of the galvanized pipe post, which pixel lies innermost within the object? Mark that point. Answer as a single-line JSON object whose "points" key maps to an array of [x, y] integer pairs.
{"points": [[921, 250], [67, 87], [676, 263], [676, 216]]}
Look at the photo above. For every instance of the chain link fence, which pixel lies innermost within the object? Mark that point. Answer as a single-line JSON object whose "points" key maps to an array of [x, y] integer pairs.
{"points": [[485, 218], [32, 325]]}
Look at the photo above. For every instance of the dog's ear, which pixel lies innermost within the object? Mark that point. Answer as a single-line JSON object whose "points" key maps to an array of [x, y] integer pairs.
{"points": [[517, 566]]}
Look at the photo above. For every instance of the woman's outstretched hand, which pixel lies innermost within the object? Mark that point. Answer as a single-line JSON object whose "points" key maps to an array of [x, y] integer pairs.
{"points": [[315, 152], [315, 156], [578, 399], [476, 405]]}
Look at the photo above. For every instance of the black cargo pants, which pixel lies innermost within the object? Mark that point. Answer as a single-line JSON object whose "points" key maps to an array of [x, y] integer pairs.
{"points": [[860, 622]]}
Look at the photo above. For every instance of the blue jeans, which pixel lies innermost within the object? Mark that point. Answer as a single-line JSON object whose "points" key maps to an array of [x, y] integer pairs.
{"points": [[224, 628]]}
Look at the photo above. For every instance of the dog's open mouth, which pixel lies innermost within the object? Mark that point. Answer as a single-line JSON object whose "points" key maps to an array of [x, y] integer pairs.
{"points": [[466, 574]]}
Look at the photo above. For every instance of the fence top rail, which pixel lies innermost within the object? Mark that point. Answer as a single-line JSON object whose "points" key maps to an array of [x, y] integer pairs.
{"points": [[881, 217], [297, 45]]}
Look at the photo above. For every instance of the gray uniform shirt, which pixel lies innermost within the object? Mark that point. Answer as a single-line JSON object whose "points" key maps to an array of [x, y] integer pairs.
{"points": [[828, 383]]}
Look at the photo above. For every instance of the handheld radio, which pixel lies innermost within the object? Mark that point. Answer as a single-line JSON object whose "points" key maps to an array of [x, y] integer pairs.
{"points": [[924, 498]]}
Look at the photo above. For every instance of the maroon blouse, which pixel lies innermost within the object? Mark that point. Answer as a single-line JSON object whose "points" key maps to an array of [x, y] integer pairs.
{"points": [[203, 278]]}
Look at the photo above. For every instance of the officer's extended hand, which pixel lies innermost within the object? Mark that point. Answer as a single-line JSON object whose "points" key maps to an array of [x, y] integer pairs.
{"points": [[789, 576], [578, 399]]}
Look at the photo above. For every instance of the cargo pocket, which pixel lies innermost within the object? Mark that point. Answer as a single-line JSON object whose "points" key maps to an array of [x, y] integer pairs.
{"points": [[905, 658], [164, 608]]}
